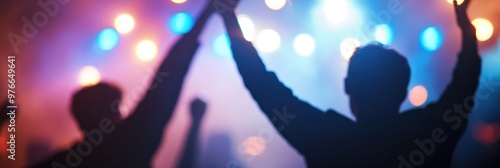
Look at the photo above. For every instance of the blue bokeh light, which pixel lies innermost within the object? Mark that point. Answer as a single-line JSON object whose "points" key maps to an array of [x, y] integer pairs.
{"points": [[221, 45], [181, 23], [431, 39], [384, 34], [107, 39]]}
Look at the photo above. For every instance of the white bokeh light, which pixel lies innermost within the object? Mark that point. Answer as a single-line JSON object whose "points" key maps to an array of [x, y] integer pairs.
{"points": [[275, 4], [484, 29], [268, 40], [247, 27], [348, 47], [146, 50], [178, 1], [336, 11], [459, 1], [89, 76], [304, 44], [124, 23]]}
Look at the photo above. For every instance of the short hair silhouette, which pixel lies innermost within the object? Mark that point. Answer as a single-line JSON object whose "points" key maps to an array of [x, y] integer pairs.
{"points": [[92, 104], [378, 77]]}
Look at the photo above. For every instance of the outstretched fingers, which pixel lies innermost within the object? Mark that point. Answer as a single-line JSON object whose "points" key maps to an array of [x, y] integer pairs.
{"points": [[223, 6], [465, 4], [461, 13]]}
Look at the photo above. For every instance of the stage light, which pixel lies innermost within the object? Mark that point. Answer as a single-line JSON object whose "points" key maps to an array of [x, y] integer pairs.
{"points": [[89, 76], [304, 45], [247, 27], [254, 145], [268, 40], [336, 11], [181, 23], [348, 47], [107, 39], [384, 34], [431, 39], [146, 50], [221, 45], [418, 95], [178, 1], [124, 23], [484, 29], [275, 4], [458, 1]]}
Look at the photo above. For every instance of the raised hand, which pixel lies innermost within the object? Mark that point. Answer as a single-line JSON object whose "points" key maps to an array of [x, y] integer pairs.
{"points": [[469, 38], [198, 108], [223, 6], [461, 14], [189, 155]]}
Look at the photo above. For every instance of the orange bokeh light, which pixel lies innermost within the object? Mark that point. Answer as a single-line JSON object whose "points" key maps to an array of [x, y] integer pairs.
{"points": [[418, 95]]}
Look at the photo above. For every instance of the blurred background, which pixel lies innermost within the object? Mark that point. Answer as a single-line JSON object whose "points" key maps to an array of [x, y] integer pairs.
{"points": [[70, 44]]}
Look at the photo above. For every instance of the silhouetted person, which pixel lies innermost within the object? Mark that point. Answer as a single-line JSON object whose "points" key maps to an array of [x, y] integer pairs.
{"points": [[476, 148], [220, 152], [36, 150], [376, 83], [112, 142], [495, 116], [191, 148], [219, 146]]}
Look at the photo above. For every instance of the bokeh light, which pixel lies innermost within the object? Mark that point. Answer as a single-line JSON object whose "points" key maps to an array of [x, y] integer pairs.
{"points": [[146, 50], [336, 11], [418, 95], [178, 1], [458, 1], [486, 133], [275, 4], [384, 34], [107, 39], [268, 40], [484, 29], [247, 27], [124, 23], [431, 39], [254, 145], [221, 45], [348, 47], [304, 44], [181, 23], [89, 76]]}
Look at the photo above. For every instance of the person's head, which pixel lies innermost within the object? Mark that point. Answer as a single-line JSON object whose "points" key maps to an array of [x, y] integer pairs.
{"points": [[376, 82], [93, 104]]}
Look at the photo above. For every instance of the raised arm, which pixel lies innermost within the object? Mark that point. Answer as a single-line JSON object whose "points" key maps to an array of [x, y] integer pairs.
{"points": [[468, 68], [165, 87], [189, 155], [148, 121], [299, 122]]}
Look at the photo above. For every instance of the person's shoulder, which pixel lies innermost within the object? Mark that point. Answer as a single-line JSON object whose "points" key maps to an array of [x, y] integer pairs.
{"points": [[413, 111], [338, 118], [429, 115], [429, 110], [58, 157]]}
